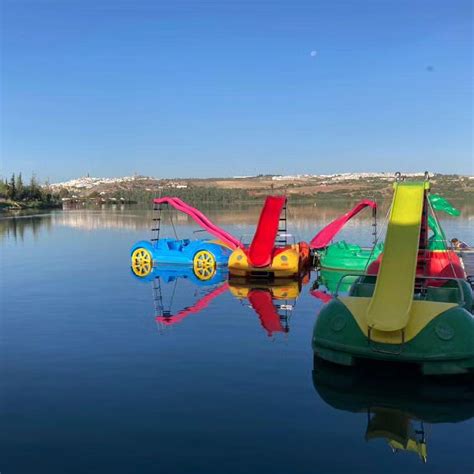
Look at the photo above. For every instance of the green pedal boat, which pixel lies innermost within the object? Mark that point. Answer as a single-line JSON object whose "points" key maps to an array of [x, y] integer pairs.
{"points": [[413, 305]]}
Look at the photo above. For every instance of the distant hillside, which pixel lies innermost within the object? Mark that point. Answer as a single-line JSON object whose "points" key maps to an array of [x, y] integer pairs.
{"points": [[308, 188]]}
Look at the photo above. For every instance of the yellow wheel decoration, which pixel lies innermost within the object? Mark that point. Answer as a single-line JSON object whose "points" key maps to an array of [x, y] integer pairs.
{"points": [[204, 265], [142, 262]]}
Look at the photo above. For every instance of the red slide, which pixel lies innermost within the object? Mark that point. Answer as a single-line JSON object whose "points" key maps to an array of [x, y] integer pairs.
{"points": [[206, 222], [324, 236], [262, 303], [263, 243], [201, 219]]}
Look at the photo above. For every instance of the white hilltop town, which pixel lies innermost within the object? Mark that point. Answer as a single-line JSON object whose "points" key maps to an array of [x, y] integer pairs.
{"points": [[358, 183], [346, 176], [88, 182]]}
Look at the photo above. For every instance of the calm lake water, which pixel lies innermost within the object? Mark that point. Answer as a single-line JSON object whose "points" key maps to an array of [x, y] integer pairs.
{"points": [[93, 382]]}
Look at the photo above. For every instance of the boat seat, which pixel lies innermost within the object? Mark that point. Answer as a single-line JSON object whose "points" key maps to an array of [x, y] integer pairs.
{"points": [[450, 294], [362, 289], [175, 245]]}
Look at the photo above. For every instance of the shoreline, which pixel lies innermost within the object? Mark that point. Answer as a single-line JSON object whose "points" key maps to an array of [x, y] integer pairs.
{"points": [[9, 206]]}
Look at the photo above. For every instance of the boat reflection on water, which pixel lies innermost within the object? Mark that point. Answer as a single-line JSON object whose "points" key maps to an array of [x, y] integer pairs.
{"points": [[398, 407], [331, 282], [169, 277], [273, 301], [336, 281]]}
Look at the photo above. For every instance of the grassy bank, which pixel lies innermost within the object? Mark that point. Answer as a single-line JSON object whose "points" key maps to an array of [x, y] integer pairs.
{"points": [[9, 205]]}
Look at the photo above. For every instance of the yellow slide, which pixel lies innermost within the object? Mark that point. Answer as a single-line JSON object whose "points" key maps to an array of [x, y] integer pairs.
{"points": [[389, 308]]}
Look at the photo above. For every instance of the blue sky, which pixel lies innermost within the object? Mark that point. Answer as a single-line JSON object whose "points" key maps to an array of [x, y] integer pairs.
{"points": [[219, 88]]}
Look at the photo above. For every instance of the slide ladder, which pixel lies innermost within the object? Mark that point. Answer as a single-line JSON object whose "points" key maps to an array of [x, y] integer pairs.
{"points": [[282, 235], [155, 230], [423, 252], [389, 308]]}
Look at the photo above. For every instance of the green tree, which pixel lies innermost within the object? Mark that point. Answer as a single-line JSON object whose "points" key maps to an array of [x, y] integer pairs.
{"points": [[4, 189], [34, 190], [12, 188], [20, 188]]}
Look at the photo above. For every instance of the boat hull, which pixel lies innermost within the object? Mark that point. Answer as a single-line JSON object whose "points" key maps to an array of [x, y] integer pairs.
{"points": [[444, 346], [286, 262]]}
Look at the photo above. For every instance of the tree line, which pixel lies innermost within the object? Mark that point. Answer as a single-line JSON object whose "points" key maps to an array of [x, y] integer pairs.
{"points": [[16, 190]]}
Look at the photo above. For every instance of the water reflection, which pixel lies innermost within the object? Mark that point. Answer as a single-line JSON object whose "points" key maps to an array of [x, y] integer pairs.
{"points": [[331, 282], [19, 228], [399, 408], [305, 220], [272, 301], [205, 291]]}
